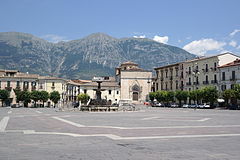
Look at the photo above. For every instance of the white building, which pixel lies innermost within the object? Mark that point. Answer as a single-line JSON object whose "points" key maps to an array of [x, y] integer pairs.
{"points": [[229, 75]]}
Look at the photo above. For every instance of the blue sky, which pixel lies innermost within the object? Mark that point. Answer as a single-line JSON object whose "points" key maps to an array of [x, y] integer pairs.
{"points": [[202, 27]]}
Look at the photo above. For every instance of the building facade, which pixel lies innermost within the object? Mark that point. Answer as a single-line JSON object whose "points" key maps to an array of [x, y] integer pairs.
{"points": [[192, 74], [134, 82], [229, 75]]}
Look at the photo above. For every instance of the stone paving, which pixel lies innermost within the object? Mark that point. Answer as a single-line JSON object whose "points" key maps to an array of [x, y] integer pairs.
{"points": [[149, 133]]}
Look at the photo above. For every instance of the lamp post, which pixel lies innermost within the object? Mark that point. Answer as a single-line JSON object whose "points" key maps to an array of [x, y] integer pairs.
{"points": [[196, 73], [148, 82]]}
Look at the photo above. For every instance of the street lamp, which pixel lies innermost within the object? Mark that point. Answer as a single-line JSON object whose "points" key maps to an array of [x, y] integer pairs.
{"points": [[196, 73], [148, 82]]}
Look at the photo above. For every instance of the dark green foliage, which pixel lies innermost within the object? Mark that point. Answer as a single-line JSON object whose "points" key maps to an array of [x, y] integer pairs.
{"points": [[83, 97], [43, 96], [35, 96], [4, 95], [152, 95], [55, 97], [210, 94]]}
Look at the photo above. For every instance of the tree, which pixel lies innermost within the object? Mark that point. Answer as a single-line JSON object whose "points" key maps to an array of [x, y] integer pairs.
{"points": [[152, 95], [169, 97], [193, 95], [4, 95], [83, 97], [210, 94], [55, 97], [237, 91], [160, 96], [35, 96], [228, 95], [43, 96], [181, 96], [24, 96]]}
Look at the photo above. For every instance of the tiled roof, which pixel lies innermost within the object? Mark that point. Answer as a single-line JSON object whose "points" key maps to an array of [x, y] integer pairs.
{"points": [[234, 63]]}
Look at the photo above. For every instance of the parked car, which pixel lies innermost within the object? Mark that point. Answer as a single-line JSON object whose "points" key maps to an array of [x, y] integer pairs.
{"points": [[157, 104], [147, 103], [193, 106], [185, 106], [174, 105], [204, 106]]}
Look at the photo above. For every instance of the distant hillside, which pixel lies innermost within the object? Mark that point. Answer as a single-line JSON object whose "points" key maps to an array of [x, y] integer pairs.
{"points": [[94, 55]]}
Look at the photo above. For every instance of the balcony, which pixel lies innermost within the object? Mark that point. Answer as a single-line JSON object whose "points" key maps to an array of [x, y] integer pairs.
{"points": [[205, 82], [188, 72], [8, 88], [205, 70], [196, 83], [214, 81], [188, 83], [213, 69]]}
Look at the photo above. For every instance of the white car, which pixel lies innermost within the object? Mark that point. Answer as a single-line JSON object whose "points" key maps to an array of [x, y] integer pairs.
{"points": [[185, 106]]}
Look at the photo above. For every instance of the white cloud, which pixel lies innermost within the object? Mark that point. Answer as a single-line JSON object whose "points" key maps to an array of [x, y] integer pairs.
{"points": [[233, 43], [54, 38], [160, 39], [201, 47], [142, 36], [234, 32]]}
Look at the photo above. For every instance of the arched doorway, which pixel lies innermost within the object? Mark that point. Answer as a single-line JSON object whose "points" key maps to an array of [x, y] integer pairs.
{"points": [[135, 96], [135, 92]]}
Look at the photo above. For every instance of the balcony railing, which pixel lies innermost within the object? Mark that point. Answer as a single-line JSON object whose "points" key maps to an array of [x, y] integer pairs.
{"points": [[214, 81], [8, 88], [205, 70], [196, 83], [205, 82]]}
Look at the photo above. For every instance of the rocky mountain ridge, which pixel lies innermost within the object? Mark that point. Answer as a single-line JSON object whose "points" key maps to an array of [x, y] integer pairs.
{"points": [[94, 55]]}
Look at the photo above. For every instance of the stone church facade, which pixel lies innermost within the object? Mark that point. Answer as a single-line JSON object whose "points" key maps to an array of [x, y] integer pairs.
{"points": [[135, 82]]}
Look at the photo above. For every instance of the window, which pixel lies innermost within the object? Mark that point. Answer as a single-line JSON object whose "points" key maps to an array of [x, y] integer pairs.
{"points": [[176, 84], [206, 78], [223, 76], [232, 86], [223, 87], [233, 75], [18, 84], [215, 77], [189, 80], [40, 86], [166, 86], [166, 74], [215, 66], [170, 85], [53, 84], [0, 84], [176, 72], [206, 68], [189, 70], [8, 83], [156, 86], [109, 91], [85, 91], [117, 92], [157, 73]]}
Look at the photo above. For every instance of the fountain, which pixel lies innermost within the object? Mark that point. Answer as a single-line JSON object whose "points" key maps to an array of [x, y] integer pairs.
{"points": [[99, 104]]}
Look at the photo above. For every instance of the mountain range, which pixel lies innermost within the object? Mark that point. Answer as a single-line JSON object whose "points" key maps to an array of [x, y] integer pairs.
{"points": [[95, 55]]}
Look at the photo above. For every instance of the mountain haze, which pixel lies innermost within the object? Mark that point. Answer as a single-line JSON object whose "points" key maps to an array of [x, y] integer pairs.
{"points": [[95, 55]]}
